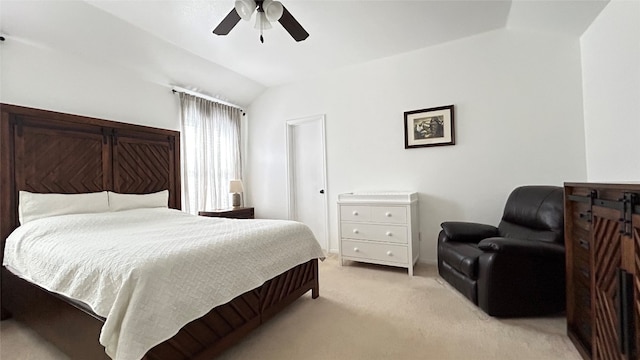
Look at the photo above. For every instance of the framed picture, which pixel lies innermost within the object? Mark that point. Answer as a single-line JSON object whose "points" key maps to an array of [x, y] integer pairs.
{"points": [[429, 127]]}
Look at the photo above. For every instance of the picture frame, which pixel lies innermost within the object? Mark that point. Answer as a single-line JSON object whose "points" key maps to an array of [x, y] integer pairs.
{"points": [[429, 127]]}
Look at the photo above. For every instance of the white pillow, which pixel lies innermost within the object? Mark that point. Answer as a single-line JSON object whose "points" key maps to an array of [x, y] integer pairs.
{"points": [[118, 202], [33, 206]]}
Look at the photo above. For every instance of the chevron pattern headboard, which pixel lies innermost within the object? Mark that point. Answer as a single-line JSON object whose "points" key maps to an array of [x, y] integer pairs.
{"points": [[50, 152]]}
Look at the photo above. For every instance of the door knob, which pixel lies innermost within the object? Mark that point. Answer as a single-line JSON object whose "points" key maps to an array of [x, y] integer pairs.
{"points": [[322, 191]]}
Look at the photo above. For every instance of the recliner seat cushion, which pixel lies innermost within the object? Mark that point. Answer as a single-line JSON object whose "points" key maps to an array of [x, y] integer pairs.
{"points": [[462, 257]]}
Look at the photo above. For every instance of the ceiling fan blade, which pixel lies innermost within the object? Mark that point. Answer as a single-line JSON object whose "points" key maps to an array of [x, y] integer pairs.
{"points": [[292, 26], [227, 23]]}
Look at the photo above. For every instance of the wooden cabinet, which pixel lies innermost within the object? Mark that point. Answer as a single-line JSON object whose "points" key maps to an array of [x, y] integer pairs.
{"points": [[379, 228], [234, 213], [602, 238]]}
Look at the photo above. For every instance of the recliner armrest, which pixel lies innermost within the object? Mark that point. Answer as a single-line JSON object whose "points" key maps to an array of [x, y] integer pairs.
{"points": [[521, 247], [468, 231]]}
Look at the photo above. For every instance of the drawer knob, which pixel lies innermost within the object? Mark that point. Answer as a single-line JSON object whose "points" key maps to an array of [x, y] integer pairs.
{"points": [[389, 253], [389, 233], [387, 214], [355, 249], [355, 231], [355, 213]]}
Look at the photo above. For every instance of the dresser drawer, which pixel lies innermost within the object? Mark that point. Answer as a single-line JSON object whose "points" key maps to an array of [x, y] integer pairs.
{"points": [[374, 251], [377, 232], [355, 213], [389, 214]]}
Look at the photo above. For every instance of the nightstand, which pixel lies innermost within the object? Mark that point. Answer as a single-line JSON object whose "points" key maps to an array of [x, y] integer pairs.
{"points": [[234, 213]]}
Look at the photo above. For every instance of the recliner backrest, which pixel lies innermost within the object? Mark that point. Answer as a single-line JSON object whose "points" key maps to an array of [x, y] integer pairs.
{"points": [[534, 213]]}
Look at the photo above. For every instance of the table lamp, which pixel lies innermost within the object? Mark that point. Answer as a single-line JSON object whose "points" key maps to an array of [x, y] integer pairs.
{"points": [[235, 187]]}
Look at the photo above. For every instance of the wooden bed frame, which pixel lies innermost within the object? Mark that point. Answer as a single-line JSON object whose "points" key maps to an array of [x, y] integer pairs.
{"points": [[50, 152]]}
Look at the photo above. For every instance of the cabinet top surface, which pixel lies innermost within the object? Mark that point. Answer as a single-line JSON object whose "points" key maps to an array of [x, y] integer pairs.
{"points": [[387, 196], [616, 185]]}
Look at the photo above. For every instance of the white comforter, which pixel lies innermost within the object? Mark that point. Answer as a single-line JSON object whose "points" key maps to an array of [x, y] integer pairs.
{"points": [[151, 271]]}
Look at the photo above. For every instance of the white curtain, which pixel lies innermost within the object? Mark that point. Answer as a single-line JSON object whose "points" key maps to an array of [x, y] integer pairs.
{"points": [[210, 147]]}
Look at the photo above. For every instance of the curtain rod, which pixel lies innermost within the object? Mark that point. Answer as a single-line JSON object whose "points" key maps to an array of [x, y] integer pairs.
{"points": [[176, 89]]}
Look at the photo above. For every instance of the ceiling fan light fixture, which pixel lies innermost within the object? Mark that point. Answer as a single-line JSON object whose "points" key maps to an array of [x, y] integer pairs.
{"points": [[273, 9], [245, 8], [268, 11], [261, 22]]}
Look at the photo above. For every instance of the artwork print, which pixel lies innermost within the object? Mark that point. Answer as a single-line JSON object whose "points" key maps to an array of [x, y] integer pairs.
{"points": [[429, 127]]}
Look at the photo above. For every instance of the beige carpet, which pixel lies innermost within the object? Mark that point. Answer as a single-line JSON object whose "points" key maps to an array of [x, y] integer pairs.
{"points": [[371, 312]]}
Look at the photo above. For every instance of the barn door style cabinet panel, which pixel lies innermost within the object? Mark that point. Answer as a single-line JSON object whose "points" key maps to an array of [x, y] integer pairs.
{"points": [[602, 229]]}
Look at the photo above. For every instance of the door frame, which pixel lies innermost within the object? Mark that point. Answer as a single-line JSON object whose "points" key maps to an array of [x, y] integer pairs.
{"points": [[290, 125]]}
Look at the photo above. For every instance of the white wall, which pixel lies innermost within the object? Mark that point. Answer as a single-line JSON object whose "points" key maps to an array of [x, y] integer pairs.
{"points": [[611, 86], [37, 76], [518, 115]]}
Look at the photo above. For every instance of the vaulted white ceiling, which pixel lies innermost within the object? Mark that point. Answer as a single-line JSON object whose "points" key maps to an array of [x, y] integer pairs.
{"points": [[171, 41]]}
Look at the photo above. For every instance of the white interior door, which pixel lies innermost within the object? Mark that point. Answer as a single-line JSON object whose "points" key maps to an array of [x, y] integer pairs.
{"points": [[307, 175]]}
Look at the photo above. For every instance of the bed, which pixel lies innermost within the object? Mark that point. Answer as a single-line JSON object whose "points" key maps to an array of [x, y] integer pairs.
{"points": [[50, 152]]}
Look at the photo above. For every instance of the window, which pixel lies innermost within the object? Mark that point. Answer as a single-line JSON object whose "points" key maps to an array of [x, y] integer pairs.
{"points": [[210, 147]]}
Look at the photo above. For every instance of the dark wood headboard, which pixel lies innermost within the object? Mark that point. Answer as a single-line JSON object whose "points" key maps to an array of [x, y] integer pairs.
{"points": [[50, 152]]}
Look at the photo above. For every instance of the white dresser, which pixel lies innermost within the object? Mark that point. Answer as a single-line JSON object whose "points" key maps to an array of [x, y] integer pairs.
{"points": [[379, 228]]}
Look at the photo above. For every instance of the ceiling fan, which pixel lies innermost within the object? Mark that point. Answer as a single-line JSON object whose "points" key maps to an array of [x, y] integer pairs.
{"points": [[267, 11]]}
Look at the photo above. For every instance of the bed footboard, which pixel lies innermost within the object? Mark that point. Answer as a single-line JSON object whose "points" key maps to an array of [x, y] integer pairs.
{"points": [[228, 324], [76, 331]]}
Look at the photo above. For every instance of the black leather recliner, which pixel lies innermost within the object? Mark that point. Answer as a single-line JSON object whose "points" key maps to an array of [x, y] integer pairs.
{"points": [[516, 269]]}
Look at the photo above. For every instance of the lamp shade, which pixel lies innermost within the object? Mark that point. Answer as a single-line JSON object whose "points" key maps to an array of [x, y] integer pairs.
{"points": [[261, 22], [235, 186], [245, 8], [272, 9]]}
